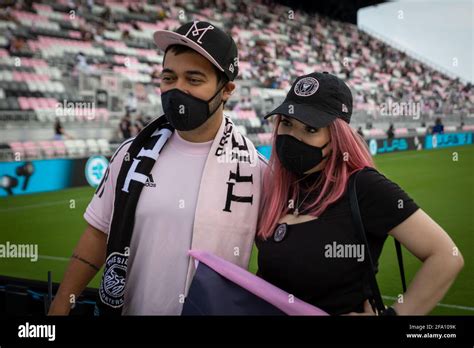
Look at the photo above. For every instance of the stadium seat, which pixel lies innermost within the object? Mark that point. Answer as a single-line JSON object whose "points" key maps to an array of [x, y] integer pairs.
{"points": [[241, 129], [104, 146], [59, 148], [81, 147], [47, 148], [18, 150], [5, 152], [71, 147], [31, 150], [92, 146], [401, 132]]}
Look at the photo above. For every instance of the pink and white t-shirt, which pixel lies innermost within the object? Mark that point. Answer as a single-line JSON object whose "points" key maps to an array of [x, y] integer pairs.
{"points": [[162, 233]]}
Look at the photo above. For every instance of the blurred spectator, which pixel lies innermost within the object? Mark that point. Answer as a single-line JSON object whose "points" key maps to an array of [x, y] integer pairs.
{"points": [[59, 132], [6, 15], [139, 123], [360, 132], [81, 64], [99, 33], [126, 127], [17, 44], [391, 132], [131, 103], [243, 104], [71, 4], [90, 5], [126, 35], [155, 76], [438, 127]]}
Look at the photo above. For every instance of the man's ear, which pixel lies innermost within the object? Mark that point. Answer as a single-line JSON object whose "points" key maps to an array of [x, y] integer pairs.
{"points": [[228, 90]]}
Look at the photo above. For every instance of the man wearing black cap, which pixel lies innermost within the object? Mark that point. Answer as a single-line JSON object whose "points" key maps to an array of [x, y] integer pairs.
{"points": [[189, 180], [200, 63]]}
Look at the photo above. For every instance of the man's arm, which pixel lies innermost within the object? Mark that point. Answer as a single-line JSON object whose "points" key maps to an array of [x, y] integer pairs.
{"points": [[88, 257]]}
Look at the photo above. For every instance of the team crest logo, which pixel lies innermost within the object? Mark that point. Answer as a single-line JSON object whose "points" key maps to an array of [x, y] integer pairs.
{"points": [[112, 287], [195, 31], [306, 87], [95, 169]]}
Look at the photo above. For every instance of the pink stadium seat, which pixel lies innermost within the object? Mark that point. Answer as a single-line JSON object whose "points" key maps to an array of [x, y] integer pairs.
{"points": [[252, 114], [31, 149], [401, 131], [17, 149], [52, 103], [145, 52], [17, 75], [42, 7], [24, 103], [37, 103], [102, 114], [74, 34], [59, 147], [376, 132], [91, 114], [47, 148]]}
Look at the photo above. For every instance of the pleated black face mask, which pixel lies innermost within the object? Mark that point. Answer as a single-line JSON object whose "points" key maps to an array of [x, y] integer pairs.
{"points": [[186, 112], [297, 156]]}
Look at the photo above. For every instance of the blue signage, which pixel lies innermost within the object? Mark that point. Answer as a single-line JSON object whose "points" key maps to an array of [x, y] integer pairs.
{"points": [[436, 141]]}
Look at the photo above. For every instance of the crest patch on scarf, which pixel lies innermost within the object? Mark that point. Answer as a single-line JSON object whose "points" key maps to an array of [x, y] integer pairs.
{"points": [[112, 287]]}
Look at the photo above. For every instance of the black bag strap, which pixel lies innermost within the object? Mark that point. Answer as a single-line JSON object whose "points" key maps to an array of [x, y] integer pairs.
{"points": [[376, 301], [398, 247]]}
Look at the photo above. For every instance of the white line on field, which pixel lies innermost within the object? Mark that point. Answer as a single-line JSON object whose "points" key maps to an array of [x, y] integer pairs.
{"points": [[40, 205], [412, 155], [439, 304], [57, 258]]}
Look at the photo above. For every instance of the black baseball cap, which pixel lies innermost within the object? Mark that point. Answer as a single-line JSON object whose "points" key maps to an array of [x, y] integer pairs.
{"points": [[317, 99], [205, 38]]}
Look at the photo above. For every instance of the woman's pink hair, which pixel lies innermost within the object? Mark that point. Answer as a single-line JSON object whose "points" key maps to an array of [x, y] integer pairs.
{"points": [[349, 153]]}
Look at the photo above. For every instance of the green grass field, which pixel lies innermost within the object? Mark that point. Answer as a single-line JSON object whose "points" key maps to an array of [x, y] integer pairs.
{"points": [[444, 188]]}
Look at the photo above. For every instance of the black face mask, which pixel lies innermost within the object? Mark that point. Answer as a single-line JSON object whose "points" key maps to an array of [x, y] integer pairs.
{"points": [[184, 111], [297, 156]]}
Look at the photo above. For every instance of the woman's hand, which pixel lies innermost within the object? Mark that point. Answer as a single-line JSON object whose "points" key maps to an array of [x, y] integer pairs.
{"points": [[367, 310]]}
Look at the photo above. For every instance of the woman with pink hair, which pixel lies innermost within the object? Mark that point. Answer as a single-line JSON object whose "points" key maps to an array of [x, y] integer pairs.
{"points": [[307, 236]]}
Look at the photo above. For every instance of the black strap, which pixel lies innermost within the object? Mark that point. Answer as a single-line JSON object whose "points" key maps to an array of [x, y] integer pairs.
{"points": [[398, 247], [376, 301]]}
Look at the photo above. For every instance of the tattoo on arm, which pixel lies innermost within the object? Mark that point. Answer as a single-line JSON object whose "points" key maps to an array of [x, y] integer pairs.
{"points": [[75, 256]]}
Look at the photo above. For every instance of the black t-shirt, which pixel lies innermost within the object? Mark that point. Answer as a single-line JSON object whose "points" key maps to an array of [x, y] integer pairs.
{"points": [[302, 263]]}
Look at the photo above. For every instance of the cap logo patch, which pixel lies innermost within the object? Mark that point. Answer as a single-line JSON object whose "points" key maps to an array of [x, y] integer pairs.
{"points": [[195, 31], [344, 108], [306, 87]]}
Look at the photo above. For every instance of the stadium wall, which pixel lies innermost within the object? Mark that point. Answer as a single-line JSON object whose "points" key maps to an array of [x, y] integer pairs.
{"points": [[19, 178]]}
